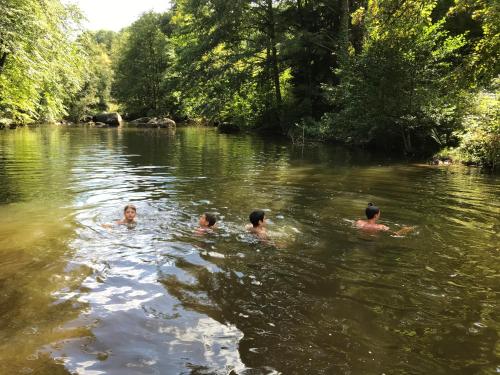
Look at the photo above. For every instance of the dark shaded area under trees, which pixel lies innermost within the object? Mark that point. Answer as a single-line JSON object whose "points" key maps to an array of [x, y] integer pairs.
{"points": [[404, 76]]}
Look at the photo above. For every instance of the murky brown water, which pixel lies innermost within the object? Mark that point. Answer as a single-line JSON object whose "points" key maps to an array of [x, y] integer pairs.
{"points": [[157, 299]]}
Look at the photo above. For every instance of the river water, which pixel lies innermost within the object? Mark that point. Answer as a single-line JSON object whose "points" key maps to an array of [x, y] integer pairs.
{"points": [[320, 298]]}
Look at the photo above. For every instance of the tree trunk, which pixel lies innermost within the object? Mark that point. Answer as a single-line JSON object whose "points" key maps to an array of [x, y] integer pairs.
{"points": [[344, 31], [408, 148], [274, 55], [3, 60]]}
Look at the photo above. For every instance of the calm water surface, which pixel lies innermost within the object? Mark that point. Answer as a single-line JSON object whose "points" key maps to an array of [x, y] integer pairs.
{"points": [[158, 299]]}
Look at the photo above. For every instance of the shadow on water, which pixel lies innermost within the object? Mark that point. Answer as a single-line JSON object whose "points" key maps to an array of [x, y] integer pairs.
{"points": [[319, 298]]}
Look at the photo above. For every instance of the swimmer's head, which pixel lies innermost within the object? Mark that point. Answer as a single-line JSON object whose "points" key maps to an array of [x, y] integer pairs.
{"points": [[371, 211], [129, 212], [208, 219], [257, 217]]}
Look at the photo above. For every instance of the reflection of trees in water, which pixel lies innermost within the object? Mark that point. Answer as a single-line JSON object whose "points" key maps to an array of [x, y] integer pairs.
{"points": [[35, 280], [275, 298], [35, 171]]}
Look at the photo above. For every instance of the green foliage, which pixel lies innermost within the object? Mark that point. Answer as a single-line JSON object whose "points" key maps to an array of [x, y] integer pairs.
{"points": [[142, 60], [480, 140], [40, 64], [480, 20], [399, 92], [95, 92]]}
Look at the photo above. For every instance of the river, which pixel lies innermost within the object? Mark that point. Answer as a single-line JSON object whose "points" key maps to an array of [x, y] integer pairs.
{"points": [[320, 298]]}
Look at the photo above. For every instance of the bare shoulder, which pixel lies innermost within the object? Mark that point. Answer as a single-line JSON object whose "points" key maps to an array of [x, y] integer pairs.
{"points": [[360, 223]]}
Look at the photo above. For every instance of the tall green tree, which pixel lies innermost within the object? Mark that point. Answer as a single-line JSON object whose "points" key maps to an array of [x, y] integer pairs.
{"points": [[142, 60], [400, 91], [236, 45], [40, 63], [94, 94]]}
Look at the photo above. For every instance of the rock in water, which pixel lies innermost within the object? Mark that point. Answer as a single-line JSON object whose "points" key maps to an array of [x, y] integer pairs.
{"points": [[154, 122], [164, 122], [111, 118], [141, 120]]}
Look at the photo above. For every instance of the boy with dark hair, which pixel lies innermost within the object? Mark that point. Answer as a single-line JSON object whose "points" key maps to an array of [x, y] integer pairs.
{"points": [[207, 222], [258, 227], [372, 213]]}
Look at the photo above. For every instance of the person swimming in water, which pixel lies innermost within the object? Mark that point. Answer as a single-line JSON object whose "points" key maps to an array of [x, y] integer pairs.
{"points": [[207, 223], [258, 226], [129, 217], [370, 225]]}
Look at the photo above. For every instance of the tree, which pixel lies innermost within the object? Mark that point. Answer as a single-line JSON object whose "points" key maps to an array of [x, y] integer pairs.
{"points": [[236, 46], [142, 61], [40, 64], [400, 91], [95, 92]]}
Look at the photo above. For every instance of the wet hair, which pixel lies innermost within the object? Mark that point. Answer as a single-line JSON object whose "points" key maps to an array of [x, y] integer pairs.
{"points": [[256, 216], [129, 206], [371, 211], [211, 218]]}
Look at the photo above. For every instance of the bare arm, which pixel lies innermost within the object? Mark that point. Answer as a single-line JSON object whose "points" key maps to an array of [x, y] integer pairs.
{"points": [[404, 230]]}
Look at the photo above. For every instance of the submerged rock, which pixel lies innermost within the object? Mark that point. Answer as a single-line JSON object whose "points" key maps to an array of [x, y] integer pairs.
{"points": [[111, 118]]}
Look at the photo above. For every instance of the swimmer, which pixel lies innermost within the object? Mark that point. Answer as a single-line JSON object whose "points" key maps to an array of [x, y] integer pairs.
{"points": [[207, 223], [373, 214], [129, 216], [258, 226]]}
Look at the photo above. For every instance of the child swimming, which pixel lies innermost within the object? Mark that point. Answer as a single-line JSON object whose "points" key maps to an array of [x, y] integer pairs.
{"points": [[370, 225], [372, 214], [129, 217], [207, 223], [258, 226]]}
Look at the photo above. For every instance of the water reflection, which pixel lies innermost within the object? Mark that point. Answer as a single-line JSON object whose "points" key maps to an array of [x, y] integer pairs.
{"points": [[160, 299]]}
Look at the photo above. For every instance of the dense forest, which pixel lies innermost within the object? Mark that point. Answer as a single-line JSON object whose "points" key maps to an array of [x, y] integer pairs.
{"points": [[407, 76]]}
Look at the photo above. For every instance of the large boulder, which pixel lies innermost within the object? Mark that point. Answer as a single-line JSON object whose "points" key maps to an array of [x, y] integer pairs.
{"points": [[154, 122], [164, 122], [111, 118]]}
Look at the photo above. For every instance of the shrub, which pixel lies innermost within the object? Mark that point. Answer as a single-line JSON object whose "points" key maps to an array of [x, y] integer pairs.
{"points": [[480, 139]]}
